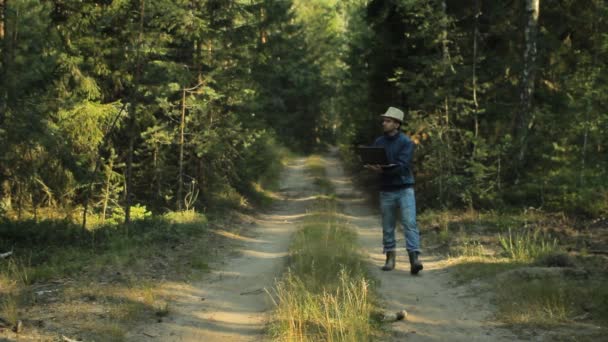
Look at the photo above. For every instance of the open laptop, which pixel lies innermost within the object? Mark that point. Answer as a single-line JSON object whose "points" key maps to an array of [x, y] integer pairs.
{"points": [[373, 155]]}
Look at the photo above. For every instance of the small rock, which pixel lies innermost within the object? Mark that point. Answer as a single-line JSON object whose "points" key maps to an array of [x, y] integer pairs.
{"points": [[18, 328], [397, 316]]}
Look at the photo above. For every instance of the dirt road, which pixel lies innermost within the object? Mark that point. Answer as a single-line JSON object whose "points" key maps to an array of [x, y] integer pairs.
{"points": [[231, 304], [437, 310]]}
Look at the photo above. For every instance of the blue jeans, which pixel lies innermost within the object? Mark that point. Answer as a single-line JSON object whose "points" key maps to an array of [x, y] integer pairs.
{"points": [[390, 202]]}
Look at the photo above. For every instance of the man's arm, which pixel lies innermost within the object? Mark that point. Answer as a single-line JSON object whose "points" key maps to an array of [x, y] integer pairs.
{"points": [[403, 160]]}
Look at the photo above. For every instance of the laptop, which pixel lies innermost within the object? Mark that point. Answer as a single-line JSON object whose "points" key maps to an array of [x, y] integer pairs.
{"points": [[373, 155]]}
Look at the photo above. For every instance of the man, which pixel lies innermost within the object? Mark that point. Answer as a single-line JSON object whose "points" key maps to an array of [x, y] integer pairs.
{"points": [[397, 190]]}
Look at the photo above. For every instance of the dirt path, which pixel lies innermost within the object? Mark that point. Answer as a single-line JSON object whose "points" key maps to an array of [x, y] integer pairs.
{"points": [[437, 310], [230, 304]]}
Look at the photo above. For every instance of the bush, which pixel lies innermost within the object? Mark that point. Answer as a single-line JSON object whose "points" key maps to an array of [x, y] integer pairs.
{"points": [[138, 212], [261, 160]]}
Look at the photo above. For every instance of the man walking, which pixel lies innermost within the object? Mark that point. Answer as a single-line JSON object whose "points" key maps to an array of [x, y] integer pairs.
{"points": [[397, 190]]}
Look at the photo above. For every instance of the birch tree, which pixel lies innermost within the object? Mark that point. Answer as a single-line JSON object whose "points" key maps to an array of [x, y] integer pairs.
{"points": [[523, 119]]}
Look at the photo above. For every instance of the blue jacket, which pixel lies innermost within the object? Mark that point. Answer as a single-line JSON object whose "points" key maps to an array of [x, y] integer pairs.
{"points": [[400, 151]]}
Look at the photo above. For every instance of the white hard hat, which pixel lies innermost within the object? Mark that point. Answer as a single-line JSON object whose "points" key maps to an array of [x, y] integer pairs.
{"points": [[393, 113]]}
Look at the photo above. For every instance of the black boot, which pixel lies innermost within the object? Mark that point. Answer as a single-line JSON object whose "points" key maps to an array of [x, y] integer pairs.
{"points": [[415, 264], [390, 261]]}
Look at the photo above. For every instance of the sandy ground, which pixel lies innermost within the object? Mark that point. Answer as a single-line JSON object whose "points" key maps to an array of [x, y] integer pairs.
{"points": [[232, 305]]}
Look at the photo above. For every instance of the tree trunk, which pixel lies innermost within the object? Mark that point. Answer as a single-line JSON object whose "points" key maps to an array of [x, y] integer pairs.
{"points": [[523, 121], [132, 120], [475, 103], [5, 44], [106, 195], [7, 200], [157, 173], [5, 194], [591, 73], [447, 64], [2, 17], [263, 34], [180, 181], [444, 37], [129, 175]]}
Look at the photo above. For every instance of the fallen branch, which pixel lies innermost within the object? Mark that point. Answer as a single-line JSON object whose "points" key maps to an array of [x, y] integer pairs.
{"points": [[67, 339], [5, 255], [257, 291]]}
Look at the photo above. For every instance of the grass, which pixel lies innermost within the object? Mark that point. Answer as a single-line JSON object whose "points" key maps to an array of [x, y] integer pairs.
{"points": [[315, 167], [9, 310], [13, 278], [540, 302], [551, 302], [106, 277], [486, 246], [339, 315], [106, 268], [466, 269], [106, 331], [528, 245], [325, 295], [49, 250]]}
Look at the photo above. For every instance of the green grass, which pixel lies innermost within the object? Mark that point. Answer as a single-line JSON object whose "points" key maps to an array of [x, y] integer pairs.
{"points": [[528, 245], [549, 302], [315, 167], [325, 295], [51, 249], [323, 247], [57, 250]]}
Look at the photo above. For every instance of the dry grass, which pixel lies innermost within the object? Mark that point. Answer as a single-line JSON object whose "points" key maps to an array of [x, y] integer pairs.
{"points": [[9, 309], [487, 245], [339, 315]]}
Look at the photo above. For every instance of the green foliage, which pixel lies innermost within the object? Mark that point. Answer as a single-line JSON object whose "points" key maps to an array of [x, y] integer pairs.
{"points": [[462, 99], [86, 60], [185, 217], [138, 212], [261, 160]]}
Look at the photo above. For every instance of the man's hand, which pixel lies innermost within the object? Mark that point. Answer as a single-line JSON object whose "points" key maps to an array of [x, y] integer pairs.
{"points": [[375, 168]]}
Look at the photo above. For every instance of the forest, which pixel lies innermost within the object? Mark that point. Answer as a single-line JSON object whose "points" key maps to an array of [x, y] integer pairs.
{"points": [[115, 114], [121, 107]]}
